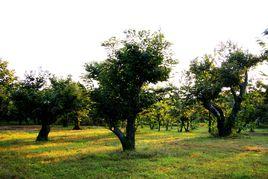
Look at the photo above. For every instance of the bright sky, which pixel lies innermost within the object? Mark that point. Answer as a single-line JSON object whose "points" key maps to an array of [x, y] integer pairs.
{"points": [[61, 35]]}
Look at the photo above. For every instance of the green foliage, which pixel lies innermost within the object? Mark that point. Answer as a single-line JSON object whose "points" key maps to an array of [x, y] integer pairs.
{"points": [[185, 109], [27, 95], [71, 99], [139, 59], [218, 77], [158, 114], [7, 79], [250, 110]]}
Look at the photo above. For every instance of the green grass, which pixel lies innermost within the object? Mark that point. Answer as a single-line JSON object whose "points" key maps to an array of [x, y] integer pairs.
{"points": [[96, 153]]}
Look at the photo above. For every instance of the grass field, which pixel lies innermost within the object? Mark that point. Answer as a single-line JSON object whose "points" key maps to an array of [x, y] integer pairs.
{"points": [[96, 153]]}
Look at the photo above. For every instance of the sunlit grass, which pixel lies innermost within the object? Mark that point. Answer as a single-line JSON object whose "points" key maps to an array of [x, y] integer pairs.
{"points": [[96, 152]]}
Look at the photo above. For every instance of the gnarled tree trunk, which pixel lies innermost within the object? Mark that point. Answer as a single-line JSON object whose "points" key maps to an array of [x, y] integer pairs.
{"points": [[127, 140], [218, 113], [43, 133]]}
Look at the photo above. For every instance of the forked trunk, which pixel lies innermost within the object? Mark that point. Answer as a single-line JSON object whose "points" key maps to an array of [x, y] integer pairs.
{"points": [[223, 130], [126, 143]]}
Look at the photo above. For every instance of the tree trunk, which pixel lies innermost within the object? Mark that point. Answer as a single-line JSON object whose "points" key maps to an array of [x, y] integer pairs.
{"points": [[43, 133], [237, 104], [130, 134], [181, 126], [120, 135], [221, 127], [218, 113], [126, 142], [209, 123], [159, 125], [76, 124], [186, 128], [230, 123]]}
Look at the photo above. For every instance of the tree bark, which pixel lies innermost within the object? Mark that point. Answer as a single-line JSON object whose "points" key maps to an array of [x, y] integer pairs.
{"points": [[130, 134], [125, 142], [237, 104], [120, 135], [77, 124], [218, 113], [43, 133], [209, 123]]}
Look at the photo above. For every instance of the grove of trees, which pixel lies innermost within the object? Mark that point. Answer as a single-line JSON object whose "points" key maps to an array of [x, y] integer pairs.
{"points": [[122, 93]]}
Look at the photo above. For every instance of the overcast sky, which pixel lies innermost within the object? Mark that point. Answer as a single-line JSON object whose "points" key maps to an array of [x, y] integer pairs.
{"points": [[61, 35]]}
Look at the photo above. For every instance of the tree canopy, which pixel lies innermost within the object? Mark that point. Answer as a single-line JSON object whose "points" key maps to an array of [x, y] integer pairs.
{"points": [[141, 58], [214, 75]]}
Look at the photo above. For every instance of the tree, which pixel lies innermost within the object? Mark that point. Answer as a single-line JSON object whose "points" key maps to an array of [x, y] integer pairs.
{"points": [[141, 58], [64, 98], [7, 79], [26, 95], [47, 112], [250, 110], [72, 98], [260, 98], [158, 114], [185, 109], [212, 81]]}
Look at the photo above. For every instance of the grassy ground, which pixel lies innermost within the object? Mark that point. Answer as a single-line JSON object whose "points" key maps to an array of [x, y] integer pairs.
{"points": [[96, 153]]}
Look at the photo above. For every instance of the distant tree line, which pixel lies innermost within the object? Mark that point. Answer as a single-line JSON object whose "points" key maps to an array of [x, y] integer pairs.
{"points": [[119, 93]]}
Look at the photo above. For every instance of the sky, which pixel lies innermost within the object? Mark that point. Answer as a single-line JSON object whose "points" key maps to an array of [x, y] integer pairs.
{"points": [[62, 35]]}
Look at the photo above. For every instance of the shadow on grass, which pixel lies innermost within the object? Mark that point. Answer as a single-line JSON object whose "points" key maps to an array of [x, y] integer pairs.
{"points": [[53, 140], [100, 155]]}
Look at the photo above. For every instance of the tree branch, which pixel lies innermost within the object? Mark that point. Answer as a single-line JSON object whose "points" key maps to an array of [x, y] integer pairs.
{"points": [[215, 110]]}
